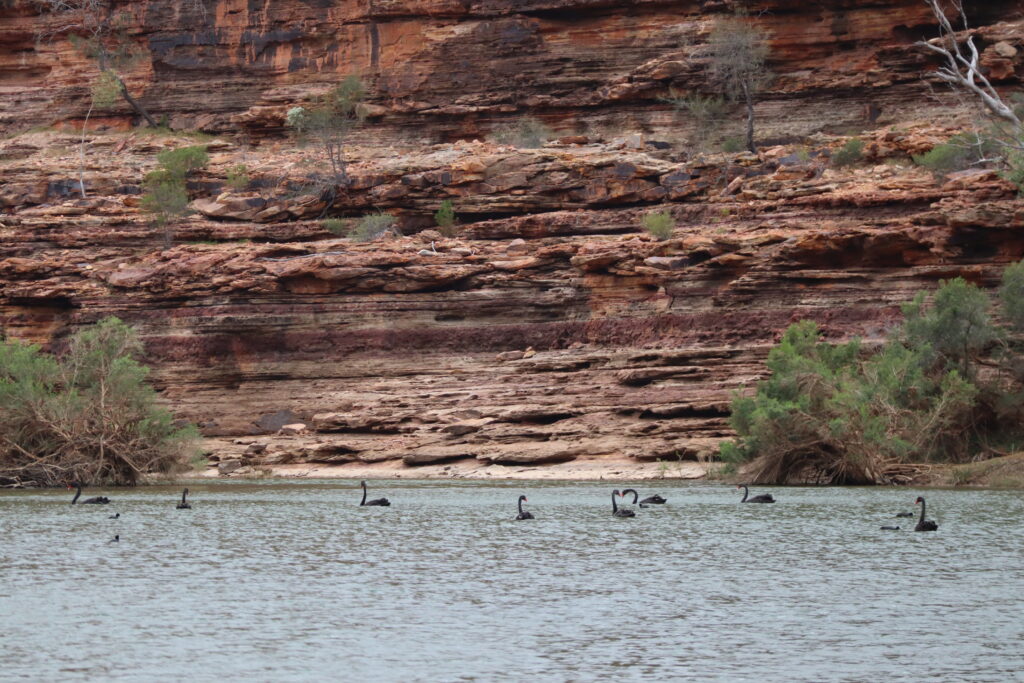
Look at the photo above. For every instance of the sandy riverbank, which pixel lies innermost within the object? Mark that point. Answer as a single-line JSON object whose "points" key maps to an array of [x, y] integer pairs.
{"points": [[580, 469]]}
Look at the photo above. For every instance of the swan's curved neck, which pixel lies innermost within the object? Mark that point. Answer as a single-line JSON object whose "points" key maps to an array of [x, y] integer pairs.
{"points": [[520, 506], [746, 492], [615, 508], [183, 494], [78, 492], [922, 512], [363, 501], [635, 494]]}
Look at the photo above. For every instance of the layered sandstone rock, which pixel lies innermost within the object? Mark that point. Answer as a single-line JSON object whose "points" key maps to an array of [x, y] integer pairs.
{"points": [[551, 328]]}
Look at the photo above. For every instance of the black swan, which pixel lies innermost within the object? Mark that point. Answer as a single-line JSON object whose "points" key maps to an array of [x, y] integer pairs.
{"points": [[522, 513], [904, 514], [889, 528], [763, 498], [654, 500], [115, 539], [114, 516], [635, 496], [96, 500], [922, 523], [183, 505], [616, 510], [376, 501]]}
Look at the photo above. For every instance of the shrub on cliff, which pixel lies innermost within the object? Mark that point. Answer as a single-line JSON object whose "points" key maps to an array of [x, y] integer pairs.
{"points": [[446, 219], [660, 224], [525, 133], [327, 122], [848, 154], [836, 413], [373, 226], [165, 195], [87, 415]]}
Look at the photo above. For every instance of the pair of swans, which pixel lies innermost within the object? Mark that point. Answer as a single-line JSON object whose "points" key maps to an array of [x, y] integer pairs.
{"points": [[626, 512], [922, 523], [103, 500], [95, 500]]}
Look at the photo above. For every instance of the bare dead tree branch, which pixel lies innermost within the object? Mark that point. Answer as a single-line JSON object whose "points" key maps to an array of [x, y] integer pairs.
{"points": [[961, 69]]}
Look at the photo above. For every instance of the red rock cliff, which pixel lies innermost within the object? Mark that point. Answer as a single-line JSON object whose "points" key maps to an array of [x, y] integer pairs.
{"points": [[552, 328]]}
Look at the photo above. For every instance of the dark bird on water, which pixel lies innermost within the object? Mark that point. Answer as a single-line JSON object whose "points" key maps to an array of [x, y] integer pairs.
{"points": [[904, 514], [523, 514], [763, 498], [115, 539], [183, 505], [376, 501], [889, 528], [616, 510], [96, 500], [922, 523], [114, 516]]}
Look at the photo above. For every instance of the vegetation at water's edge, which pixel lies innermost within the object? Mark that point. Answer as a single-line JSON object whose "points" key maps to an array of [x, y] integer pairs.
{"points": [[946, 386], [87, 415]]}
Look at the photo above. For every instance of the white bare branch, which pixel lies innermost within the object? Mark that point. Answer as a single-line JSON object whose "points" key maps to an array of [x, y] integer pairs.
{"points": [[963, 70]]}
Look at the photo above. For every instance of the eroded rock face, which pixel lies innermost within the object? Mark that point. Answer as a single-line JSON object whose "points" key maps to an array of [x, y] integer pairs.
{"points": [[443, 70], [551, 327]]}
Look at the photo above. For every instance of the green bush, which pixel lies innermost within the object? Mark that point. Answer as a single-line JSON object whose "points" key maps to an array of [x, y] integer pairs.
{"points": [[87, 416], [328, 121], [238, 177], [959, 153], [183, 160], [660, 224], [165, 196], [733, 144], [445, 218], [526, 133], [373, 226], [848, 154], [842, 414], [335, 226]]}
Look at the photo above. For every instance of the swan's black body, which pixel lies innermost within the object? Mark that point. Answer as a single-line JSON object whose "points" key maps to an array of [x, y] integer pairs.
{"points": [[384, 502], [183, 505], [115, 539], [96, 500], [653, 500], [763, 498], [523, 514], [889, 528], [616, 510], [922, 523], [904, 514]]}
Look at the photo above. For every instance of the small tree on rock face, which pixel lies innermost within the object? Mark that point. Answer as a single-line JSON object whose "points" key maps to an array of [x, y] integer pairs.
{"points": [[166, 189], [328, 121], [737, 51], [98, 32]]}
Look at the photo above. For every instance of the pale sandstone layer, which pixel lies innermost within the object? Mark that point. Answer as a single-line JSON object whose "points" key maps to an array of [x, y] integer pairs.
{"points": [[551, 331]]}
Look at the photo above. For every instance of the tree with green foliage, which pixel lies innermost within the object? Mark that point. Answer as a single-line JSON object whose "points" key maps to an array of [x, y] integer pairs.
{"points": [[98, 31], [839, 413], [165, 195], [327, 123], [87, 415]]}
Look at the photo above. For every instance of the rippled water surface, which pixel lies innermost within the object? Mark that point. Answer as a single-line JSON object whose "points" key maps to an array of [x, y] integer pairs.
{"points": [[293, 581]]}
